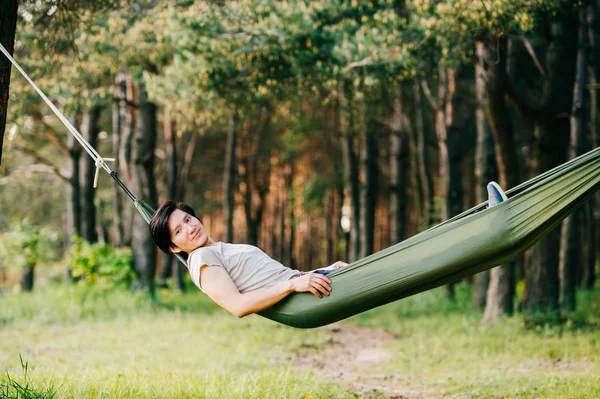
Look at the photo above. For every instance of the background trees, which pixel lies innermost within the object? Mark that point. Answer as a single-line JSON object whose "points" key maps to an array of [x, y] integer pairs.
{"points": [[318, 130]]}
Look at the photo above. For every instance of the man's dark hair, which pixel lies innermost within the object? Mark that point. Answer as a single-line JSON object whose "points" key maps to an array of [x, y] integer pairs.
{"points": [[159, 224]]}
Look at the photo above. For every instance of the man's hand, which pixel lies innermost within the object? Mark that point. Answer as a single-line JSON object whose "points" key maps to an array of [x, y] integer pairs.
{"points": [[337, 265], [312, 282]]}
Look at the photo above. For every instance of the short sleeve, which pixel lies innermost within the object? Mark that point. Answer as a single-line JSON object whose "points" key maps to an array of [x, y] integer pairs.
{"points": [[200, 258]]}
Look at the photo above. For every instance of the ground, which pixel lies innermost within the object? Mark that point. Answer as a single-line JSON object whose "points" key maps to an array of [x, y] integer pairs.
{"points": [[350, 356]]}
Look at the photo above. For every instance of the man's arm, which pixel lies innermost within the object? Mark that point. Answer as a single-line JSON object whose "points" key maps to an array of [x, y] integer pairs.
{"points": [[217, 284]]}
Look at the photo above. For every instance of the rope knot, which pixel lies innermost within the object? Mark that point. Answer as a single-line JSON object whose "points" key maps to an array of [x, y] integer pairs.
{"points": [[100, 163]]}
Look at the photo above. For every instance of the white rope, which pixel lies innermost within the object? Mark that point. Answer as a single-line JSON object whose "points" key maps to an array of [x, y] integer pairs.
{"points": [[86, 146]]}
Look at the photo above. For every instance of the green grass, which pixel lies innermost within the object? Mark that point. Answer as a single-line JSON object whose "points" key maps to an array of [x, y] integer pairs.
{"points": [[85, 344]]}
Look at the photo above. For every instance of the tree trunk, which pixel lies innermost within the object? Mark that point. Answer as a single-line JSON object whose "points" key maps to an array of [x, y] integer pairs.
{"points": [[588, 278], [170, 135], [190, 144], [229, 177], [8, 25], [425, 174], [257, 178], [27, 278], [485, 169], [368, 194], [398, 172], [125, 164], [144, 250], [117, 126], [74, 197], [571, 245], [90, 133], [493, 65], [552, 128], [351, 176], [289, 184], [449, 126]]}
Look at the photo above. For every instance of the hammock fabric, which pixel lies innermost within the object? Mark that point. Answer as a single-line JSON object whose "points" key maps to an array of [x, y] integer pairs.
{"points": [[472, 242], [469, 243]]}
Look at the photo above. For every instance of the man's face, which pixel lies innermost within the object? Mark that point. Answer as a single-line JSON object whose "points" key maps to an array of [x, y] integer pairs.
{"points": [[187, 233]]}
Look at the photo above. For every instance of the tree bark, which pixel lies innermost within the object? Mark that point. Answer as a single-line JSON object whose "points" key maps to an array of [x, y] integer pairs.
{"points": [[398, 171], [117, 126], [493, 66], [425, 174], [289, 185], [90, 133], [571, 239], [8, 25], [485, 168], [229, 177], [169, 127], [144, 250], [27, 278], [368, 192], [552, 134], [588, 278], [351, 176], [449, 125], [126, 165], [257, 177]]}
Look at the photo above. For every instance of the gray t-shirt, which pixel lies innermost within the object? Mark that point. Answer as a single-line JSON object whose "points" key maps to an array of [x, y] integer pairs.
{"points": [[249, 267]]}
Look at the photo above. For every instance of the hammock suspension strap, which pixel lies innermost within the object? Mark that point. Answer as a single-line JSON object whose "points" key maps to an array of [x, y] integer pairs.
{"points": [[99, 160]]}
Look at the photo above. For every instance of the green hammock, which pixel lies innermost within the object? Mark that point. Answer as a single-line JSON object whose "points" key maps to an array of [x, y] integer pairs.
{"points": [[472, 242], [469, 243]]}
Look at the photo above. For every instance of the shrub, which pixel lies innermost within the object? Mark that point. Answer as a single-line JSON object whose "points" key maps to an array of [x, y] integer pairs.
{"points": [[99, 265], [26, 245]]}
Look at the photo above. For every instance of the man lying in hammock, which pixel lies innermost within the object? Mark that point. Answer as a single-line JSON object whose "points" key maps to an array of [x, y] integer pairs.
{"points": [[238, 277]]}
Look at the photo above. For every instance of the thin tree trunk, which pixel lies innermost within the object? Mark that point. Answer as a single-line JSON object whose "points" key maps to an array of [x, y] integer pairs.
{"points": [[128, 118], [171, 187], [143, 247], [74, 197], [27, 278], [257, 176], [485, 170], [398, 171], [8, 25], [289, 182], [591, 219], [425, 174], [229, 177], [186, 164], [368, 194], [448, 127], [90, 133], [351, 177], [500, 299], [117, 124], [571, 245]]}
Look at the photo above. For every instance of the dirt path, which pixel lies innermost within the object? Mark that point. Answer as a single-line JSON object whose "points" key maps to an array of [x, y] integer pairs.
{"points": [[353, 357]]}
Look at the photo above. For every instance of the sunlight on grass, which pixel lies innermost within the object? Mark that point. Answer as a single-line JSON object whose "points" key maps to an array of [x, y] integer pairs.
{"points": [[129, 348], [90, 344]]}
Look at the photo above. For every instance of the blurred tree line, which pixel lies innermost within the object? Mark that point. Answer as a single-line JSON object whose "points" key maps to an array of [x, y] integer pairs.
{"points": [[318, 130]]}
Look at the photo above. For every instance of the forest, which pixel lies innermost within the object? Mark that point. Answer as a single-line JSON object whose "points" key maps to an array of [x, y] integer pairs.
{"points": [[319, 131]]}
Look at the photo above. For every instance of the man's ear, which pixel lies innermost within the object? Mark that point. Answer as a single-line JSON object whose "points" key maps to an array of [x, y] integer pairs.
{"points": [[174, 250]]}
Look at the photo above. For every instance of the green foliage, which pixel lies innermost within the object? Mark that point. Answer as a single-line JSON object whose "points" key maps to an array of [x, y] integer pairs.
{"points": [[22, 389], [100, 265], [27, 245]]}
